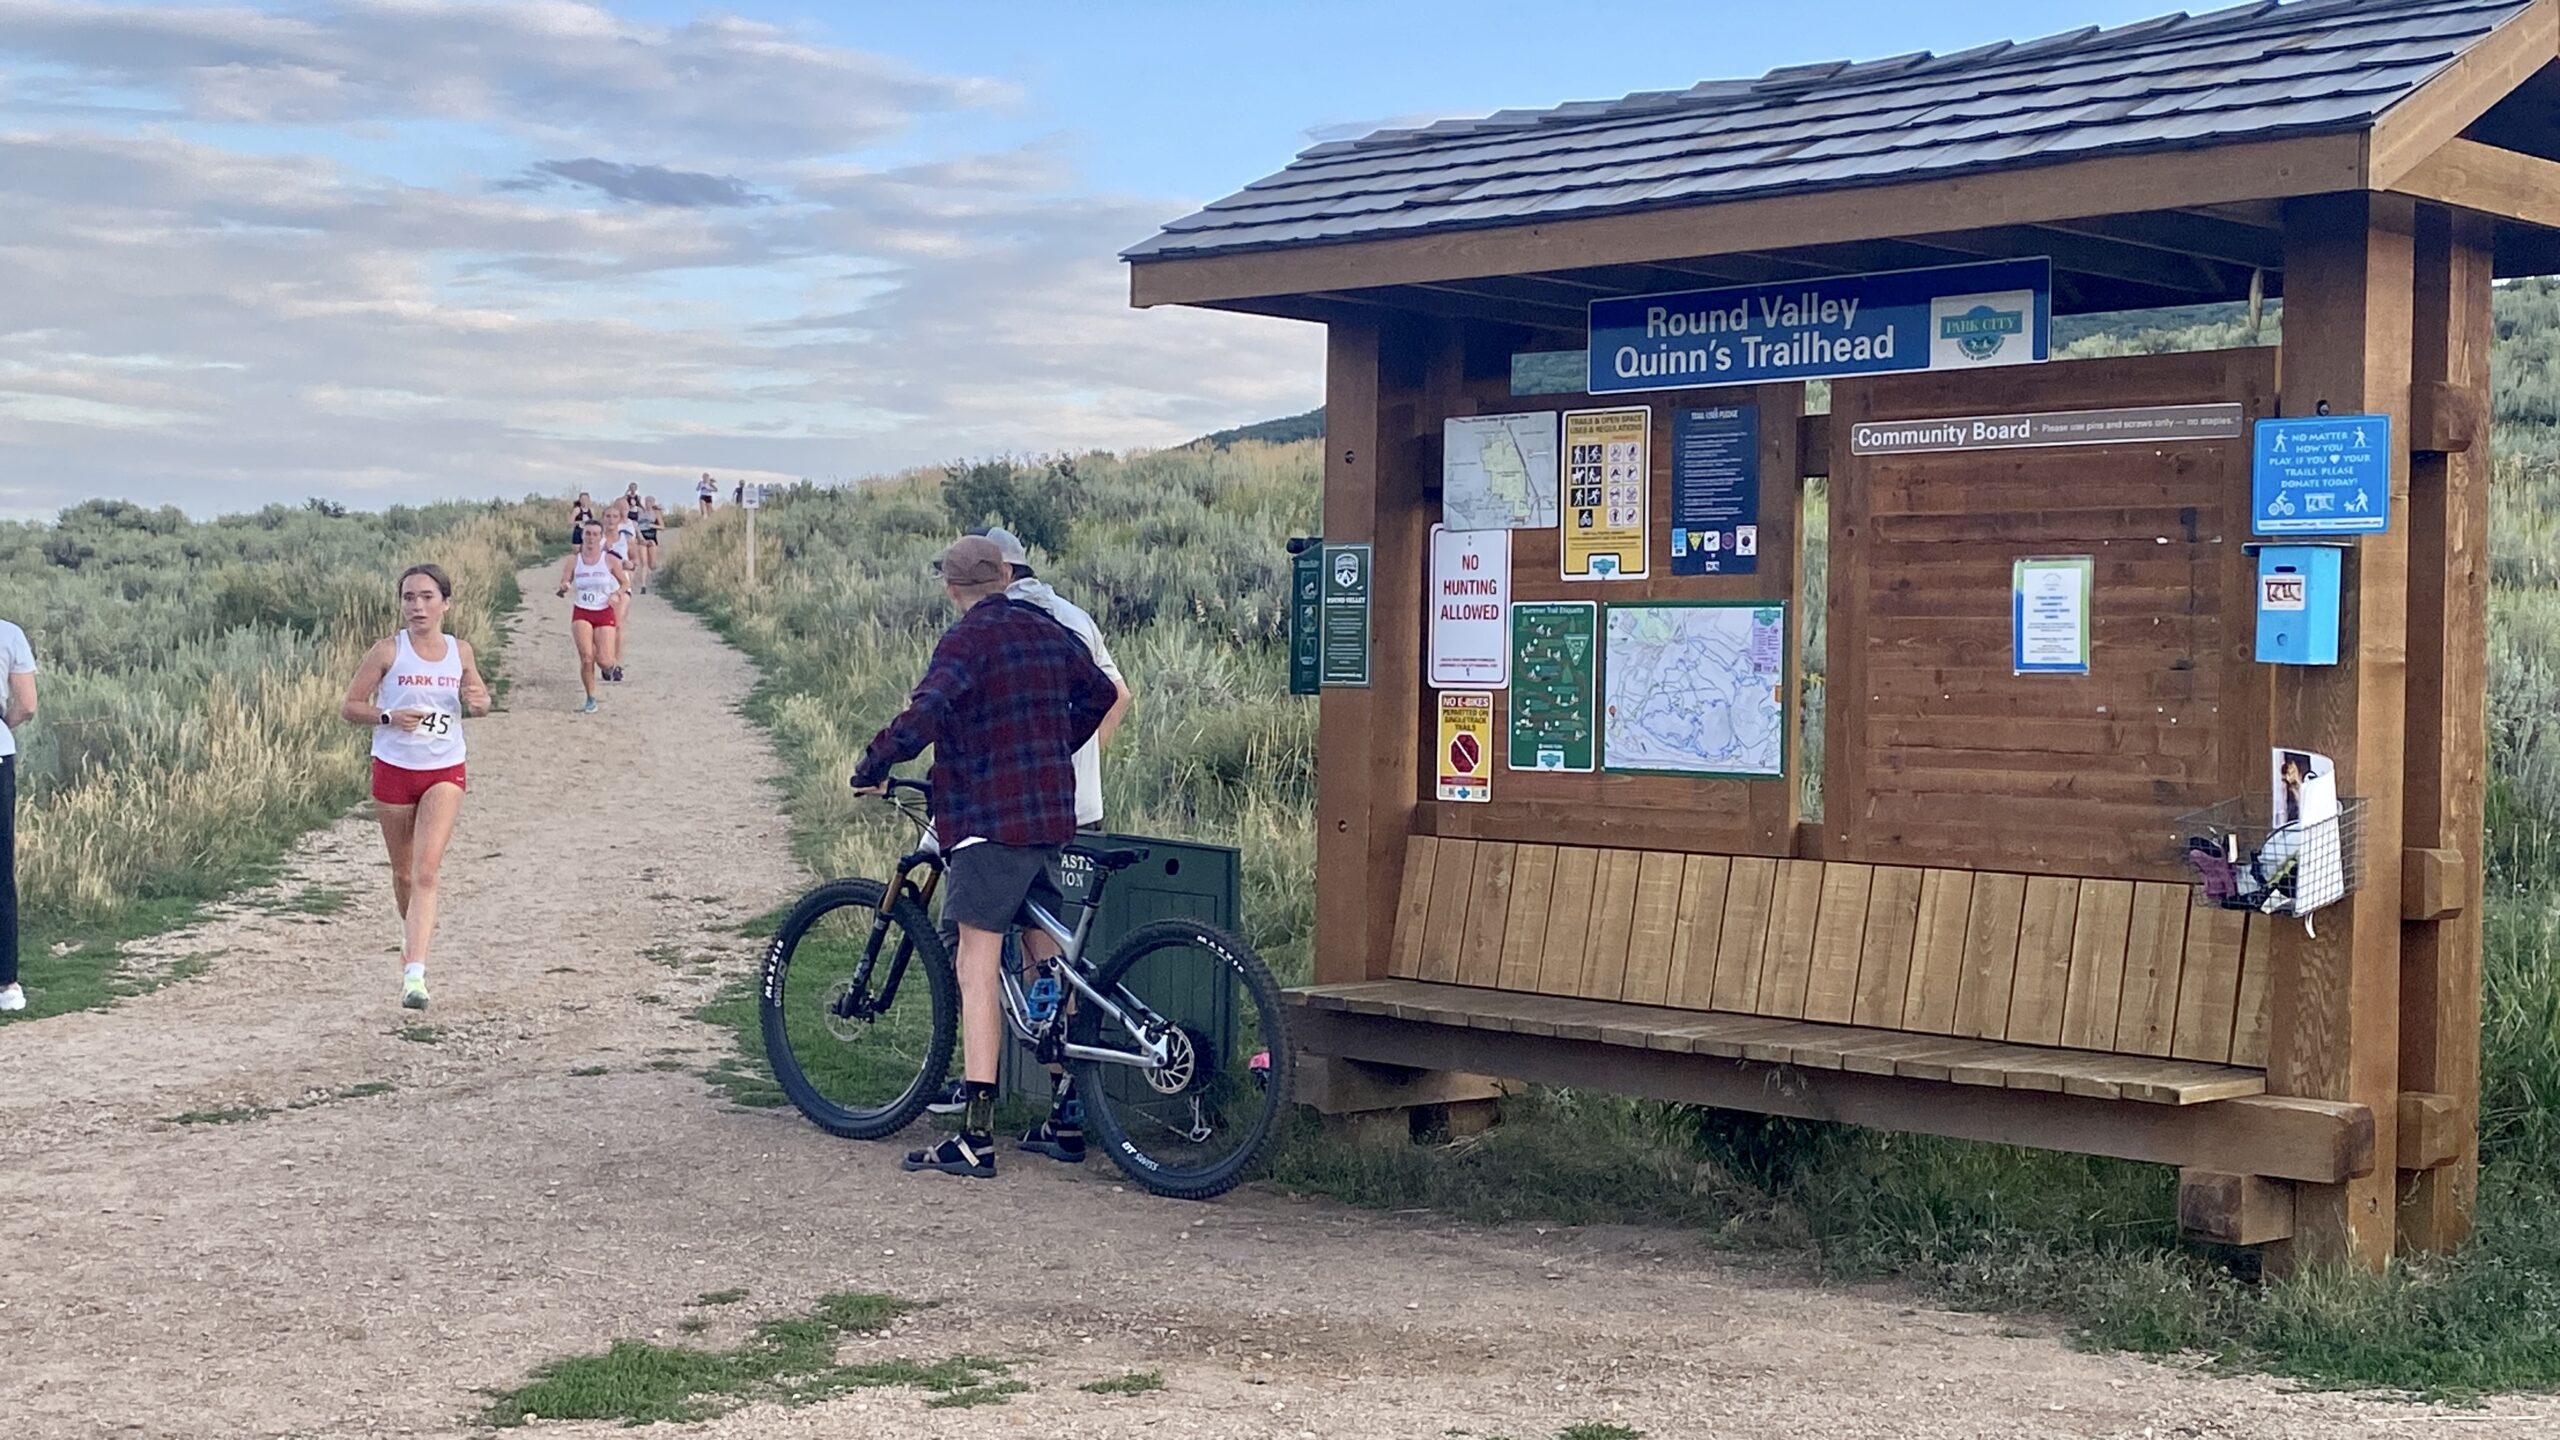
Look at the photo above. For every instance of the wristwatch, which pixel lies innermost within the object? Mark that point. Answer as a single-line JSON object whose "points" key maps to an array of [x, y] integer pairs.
{"points": [[385, 720]]}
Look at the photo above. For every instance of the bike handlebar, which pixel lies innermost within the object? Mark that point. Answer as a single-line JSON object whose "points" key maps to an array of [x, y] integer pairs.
{"points": [[894, 784]]}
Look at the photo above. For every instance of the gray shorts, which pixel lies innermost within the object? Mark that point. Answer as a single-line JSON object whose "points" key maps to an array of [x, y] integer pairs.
{"points": [[986, 883]]}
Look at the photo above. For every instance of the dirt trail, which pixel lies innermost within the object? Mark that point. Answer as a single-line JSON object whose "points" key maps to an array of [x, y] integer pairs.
{"points": [[372, 1264]]}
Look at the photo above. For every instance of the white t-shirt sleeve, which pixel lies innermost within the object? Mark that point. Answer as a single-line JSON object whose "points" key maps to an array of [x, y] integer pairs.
{"points": [[17, 657]]}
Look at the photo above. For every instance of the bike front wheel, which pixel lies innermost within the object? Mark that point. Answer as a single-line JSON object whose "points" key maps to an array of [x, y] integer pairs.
{"points": [[859, 1007], [1196, 1126]]}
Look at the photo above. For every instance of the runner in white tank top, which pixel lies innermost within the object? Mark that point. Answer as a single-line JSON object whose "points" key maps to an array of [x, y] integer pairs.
{"points": [[595, 625], [626, 545], [413, 689]]}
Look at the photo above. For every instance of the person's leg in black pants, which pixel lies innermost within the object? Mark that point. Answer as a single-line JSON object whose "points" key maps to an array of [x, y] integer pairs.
{"points": [[8, 871]]}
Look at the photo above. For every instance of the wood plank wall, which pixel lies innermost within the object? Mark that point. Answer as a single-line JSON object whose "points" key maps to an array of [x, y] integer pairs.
{"points": [[1936, 753], [2124, 966]]}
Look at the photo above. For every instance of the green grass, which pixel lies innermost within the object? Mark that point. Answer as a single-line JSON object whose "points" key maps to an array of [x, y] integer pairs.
{"points": [[584, 1071], [94, 970], [789, 1361], [1599, 1430], [417, 1033], [741, 1076], [1135, 1383], [719, 1297], [313, 900]]}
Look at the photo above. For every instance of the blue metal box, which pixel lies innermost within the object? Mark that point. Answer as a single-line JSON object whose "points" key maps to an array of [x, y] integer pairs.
{"points": [[2299, 590]]}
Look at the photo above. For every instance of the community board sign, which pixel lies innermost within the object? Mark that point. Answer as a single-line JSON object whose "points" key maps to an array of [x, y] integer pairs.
{"points": [[1953, 317]]}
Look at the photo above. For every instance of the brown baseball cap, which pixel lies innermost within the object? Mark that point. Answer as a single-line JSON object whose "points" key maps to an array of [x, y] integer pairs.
{"points": [[973, 560]]}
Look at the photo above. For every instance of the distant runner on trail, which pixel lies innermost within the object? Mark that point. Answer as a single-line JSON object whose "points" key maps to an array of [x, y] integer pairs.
{"points": [[594, 626], [1006, 700], [625, 547], [650, 517], [582, 515], [705, 490], [18, 663], [413, 689]]}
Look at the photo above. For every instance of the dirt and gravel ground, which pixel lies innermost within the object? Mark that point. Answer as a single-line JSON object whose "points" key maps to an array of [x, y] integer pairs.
{"points": [[374, 1264]]}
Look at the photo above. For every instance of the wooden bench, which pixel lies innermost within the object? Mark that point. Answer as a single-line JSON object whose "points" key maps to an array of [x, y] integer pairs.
{"points": [[2097, 1015], [2119, 966]]}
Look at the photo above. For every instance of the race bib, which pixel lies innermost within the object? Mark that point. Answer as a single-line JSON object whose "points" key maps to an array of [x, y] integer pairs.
{"points": [[591, 599], [435, 722]]}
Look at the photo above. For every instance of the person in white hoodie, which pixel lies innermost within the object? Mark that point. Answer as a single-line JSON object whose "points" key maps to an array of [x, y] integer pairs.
{"points": [[1031, 589]]}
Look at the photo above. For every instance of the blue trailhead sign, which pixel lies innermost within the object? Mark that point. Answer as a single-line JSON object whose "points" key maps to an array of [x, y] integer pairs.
{"points": [[1953, 317], [2322, 475]]}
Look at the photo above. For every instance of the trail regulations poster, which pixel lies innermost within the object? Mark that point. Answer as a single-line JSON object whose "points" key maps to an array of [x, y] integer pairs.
{"points": [[1715, 490], [1498, 472], [1466, 745], [1696, 689], [1555, 668], [1470, 608], [2049, 614], [1608, 493]]}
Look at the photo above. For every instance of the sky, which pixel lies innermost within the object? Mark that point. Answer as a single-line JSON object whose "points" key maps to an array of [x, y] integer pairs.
{"points": [[392, 251]]}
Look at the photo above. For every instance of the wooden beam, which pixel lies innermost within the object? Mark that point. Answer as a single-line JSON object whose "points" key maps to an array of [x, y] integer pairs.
{"points": [[1913, 209], [2446, 418], [2189, 232], [2419, 125], [2263, 1135], [2334, 1007], [2434, 883], [1333, 1086], [2481, 178], [1371, 737], [2447, 722], [2434, 1130], [2226, 1209]]}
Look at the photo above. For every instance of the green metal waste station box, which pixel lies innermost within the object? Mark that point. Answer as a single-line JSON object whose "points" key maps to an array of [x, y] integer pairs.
{"points": [[1178, 879]]}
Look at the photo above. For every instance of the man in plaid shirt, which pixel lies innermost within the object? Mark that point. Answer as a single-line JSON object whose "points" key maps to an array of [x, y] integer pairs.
{"points": [[1006, 700]]}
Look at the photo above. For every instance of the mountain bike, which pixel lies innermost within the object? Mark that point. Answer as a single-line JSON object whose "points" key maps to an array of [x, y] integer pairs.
{"points": [[1175, 1038]]}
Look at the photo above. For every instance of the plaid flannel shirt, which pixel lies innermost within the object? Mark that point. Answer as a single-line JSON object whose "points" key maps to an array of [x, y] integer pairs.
{"points": [[1005, 701]]}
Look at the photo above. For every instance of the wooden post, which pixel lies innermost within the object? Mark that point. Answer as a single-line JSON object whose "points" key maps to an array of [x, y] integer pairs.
{"points": [[2448, 526], [751, 547], [1369, 740], [2334, 1013]]}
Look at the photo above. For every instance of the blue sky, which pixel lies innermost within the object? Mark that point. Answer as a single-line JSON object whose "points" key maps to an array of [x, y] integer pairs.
{"points": [[400, 249]]}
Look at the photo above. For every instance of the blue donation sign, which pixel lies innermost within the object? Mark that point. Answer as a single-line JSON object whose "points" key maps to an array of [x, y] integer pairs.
{"points": [[1954, 317], [2322, 475]]}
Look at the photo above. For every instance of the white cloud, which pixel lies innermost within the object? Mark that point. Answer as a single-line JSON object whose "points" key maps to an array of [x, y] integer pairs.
{"points": [[208, 309]]}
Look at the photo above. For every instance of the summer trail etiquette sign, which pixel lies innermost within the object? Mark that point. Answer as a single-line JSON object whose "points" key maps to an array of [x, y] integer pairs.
{"points": [[1955, 317]]}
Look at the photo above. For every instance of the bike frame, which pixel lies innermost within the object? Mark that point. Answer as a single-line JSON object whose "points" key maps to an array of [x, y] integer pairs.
{"points": [[931, 862]]}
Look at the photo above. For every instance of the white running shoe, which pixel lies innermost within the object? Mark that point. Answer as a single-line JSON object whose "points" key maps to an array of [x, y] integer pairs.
{"points": [[13, 998]]}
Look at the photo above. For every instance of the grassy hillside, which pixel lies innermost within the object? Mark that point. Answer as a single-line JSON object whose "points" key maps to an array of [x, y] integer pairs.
{"points": [[189, 677]]}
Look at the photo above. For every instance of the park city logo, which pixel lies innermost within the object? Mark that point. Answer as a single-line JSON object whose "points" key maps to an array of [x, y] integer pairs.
{"points": [[1973, 330]]}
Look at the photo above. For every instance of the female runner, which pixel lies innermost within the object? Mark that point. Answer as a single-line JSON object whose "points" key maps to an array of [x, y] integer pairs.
{"points": [[597, 576], [625, 547], [650, 518], [413, 689], [582, 514]]}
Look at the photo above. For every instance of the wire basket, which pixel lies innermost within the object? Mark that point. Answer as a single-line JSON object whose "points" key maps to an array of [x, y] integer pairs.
{"points": [[2245, 860]]}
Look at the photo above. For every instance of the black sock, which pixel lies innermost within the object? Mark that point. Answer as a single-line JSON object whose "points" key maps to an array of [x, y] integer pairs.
{"points": [[979, 1119], [1066, 1112]]}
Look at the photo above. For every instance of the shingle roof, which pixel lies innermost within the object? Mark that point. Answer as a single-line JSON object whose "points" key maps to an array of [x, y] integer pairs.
{"points": [[2251, 72]]}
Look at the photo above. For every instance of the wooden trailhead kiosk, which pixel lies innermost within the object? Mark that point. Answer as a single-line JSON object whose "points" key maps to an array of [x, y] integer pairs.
{"points": [[2151, 693]]}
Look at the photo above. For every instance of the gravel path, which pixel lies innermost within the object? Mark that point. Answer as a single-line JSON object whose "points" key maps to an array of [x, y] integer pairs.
{"points": [[373, 1264]]}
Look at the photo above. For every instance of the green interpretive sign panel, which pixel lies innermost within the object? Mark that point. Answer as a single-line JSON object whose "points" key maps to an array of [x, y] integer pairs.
{"points": [[1306, 619], [1344, 658], [1555, 662]]}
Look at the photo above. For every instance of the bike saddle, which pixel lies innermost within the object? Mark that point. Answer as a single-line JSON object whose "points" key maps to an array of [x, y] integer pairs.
{"points": [[1108, 859]]}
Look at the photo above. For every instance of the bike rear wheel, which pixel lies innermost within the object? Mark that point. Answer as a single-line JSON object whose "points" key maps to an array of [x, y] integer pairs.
{"points": [[1197, 1126], [856, 1066]]}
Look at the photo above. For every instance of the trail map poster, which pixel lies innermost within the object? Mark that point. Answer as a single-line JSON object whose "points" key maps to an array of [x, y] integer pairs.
{"points": [[1696, 688], [1498, 472], [1555, 669], [1608, 493]]}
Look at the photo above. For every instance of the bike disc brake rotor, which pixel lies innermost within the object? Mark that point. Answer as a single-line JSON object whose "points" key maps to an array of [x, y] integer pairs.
{"points": [[1181, 1070], [848, 1013]]}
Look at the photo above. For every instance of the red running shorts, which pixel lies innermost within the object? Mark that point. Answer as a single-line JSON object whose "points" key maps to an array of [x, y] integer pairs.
{"points": [[397, 785], [597, 618]]}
